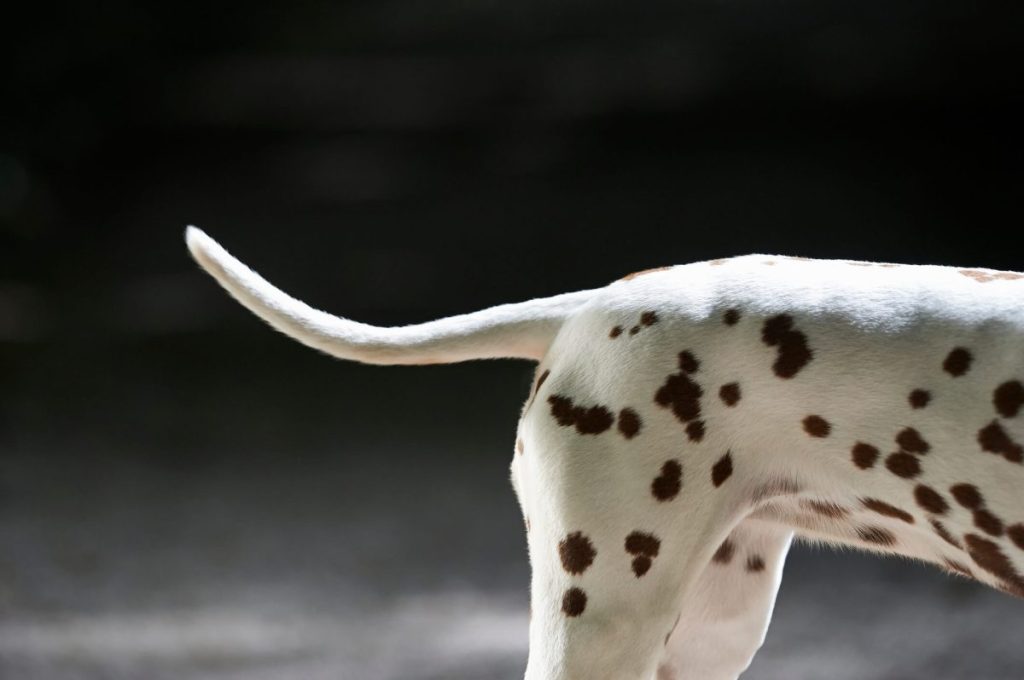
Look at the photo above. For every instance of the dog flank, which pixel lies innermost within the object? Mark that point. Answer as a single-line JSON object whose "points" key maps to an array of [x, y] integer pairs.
{"points": [[690, 420]]}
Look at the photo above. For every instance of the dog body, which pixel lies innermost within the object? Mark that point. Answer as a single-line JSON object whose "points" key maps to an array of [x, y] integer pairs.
{"points": [[684, 423]]}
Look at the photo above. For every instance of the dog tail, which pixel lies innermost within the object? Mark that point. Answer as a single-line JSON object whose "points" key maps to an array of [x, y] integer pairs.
{"points": [[524, 330]]}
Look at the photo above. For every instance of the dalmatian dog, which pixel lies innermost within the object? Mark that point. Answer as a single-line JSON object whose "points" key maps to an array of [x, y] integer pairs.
{"points": [[686, 422]]}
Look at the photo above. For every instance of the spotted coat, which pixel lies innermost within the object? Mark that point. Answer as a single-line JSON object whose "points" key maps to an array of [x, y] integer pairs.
{"points": [[685, 422]]}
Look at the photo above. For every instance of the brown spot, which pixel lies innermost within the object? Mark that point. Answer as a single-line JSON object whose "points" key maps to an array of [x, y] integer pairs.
{"points": [[615, 332], [944, 534], [718, 262], [910, 440], [641, 565], [876, 535], [770, 263], [574, 602], [825, 508], [957, 568], [577, 553], [988, 555], [731, 317], [629, 423], [722, 470], [864, 455], [666, 486], [774, 488], [987, 522], [1008, 398], [903, 465], [729, 393], [649, 318], [993, 438], [519, 446], [526, 520], [645, 547], [724, 553], [540, 381], [688, 363], [883, 508], [958, 362], [930, 499], [680, 393], [816, 426], [968, 496], [793, 352], [695, 430], [984, 276], [919, 398], [1016, 534], [593, 420], [643, 272], [634, 330], [755, 563]]}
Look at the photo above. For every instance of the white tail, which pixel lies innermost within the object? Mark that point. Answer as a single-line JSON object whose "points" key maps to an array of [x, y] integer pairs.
{"points": [[523, 330]]}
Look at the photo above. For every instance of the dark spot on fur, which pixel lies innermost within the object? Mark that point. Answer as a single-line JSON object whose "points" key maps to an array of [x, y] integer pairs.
{"points": [[903, 465], [1016, 534], [968, 496], [519, 446], [993, 438], [649, 318], [667, 485], [695, 430], [593, 420], [876, 535], [641, 565], [688, 363], [1008, 398], [615, 332], [793, 353], [944, 534], [957, 362], [574, 602], [729, 393], [883, 508], [731, 317], [910, 440], [957, 568], [640, 543], [634, 330], [577, 553], [629, 423], [919, 398], [987, 522], [864, 455], [755, 563], [930, 499], [722, 470], [989, 556], [724, 553], [990, 275], [644, 272], [825, 508], [816, 426], [680, 393], [540, 381]]}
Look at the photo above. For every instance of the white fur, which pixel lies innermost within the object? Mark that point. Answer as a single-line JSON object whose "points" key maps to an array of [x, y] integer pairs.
{"points": [[876, 333]]}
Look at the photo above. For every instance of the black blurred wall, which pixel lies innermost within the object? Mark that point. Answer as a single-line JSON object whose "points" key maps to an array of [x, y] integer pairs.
{"points": [[398, 161]]}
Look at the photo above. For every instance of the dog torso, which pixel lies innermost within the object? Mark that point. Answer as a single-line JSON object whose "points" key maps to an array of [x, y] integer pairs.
{"points": [[861, 404]]}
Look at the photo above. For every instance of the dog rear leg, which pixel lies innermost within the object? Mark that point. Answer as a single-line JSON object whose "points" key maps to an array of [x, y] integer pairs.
{"points": [[724, 621]]}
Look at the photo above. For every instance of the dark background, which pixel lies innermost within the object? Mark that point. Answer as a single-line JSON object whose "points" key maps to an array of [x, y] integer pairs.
{"points": [[184, 494]]}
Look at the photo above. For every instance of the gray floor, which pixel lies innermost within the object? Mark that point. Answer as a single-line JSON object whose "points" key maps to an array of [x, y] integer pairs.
{"points": [[243, 531]]}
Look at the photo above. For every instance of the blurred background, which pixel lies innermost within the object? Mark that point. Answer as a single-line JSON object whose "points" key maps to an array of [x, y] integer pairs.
{"points": [[185, 494]]}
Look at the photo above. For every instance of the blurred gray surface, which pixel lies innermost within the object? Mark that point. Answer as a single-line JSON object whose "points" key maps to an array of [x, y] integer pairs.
{"points": [[210, 521]]}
